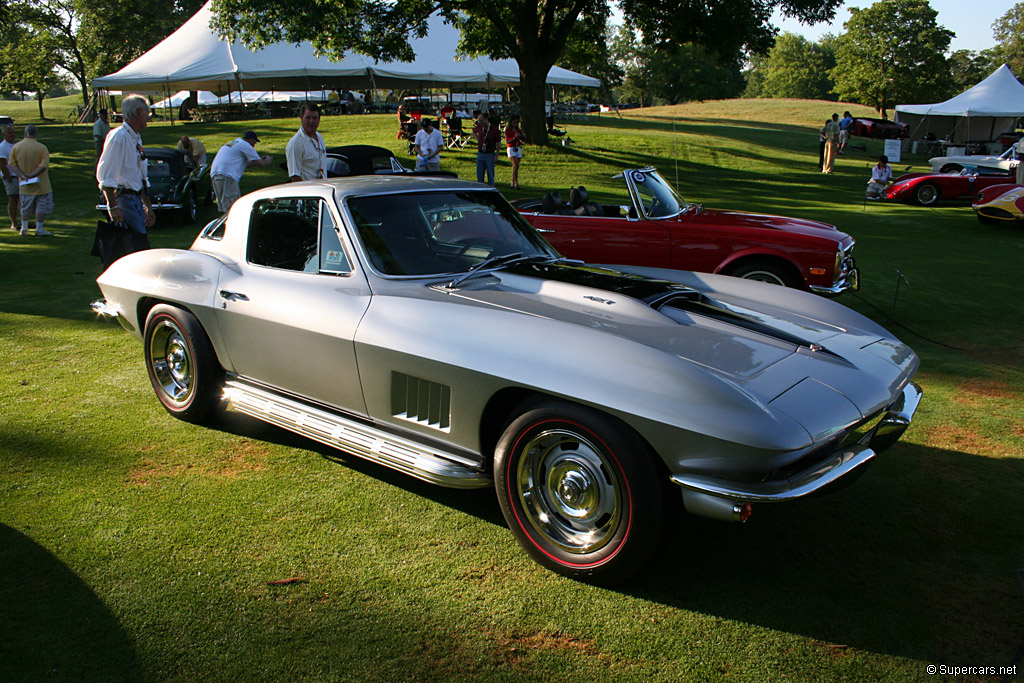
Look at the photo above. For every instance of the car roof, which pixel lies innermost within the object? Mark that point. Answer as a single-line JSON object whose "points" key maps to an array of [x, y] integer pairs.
{"points": [[380, 184]]}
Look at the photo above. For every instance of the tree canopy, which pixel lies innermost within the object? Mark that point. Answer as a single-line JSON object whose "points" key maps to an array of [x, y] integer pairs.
{"points": [[1008, 30], [893, 51], [535, 34], [796, 67]]}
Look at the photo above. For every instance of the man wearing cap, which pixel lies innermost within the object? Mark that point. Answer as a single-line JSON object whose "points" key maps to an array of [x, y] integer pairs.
{"points": [[306, 152], [428, 143], [121, 171], [230, 163]]}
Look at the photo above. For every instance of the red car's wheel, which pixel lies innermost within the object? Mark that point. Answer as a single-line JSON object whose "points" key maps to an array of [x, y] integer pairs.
{"points": [[927, 194], [580, 491], [764, 270]]}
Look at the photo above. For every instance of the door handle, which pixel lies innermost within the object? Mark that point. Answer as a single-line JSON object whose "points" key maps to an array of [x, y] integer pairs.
{"points": [[233, 296], [544, 231]]}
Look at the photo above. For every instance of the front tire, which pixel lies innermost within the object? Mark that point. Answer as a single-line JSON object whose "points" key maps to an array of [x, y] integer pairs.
{"points": [[580, 491], [767, 271], [188, 208], [181, 364], [927, 194]]}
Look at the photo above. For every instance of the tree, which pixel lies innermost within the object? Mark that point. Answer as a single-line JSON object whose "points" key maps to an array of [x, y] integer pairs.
{"points": [[1008, 30], [796, 67], [892, 51], [967, 68], [535, 34], [58, 20], [28, 63]]}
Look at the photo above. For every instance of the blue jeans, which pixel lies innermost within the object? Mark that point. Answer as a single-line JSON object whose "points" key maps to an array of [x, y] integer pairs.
{"points": [[133, 212], [485, 163]]}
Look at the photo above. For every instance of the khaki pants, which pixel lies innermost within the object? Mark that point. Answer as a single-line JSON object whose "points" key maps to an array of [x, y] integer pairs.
{"points": [[227, 191]]}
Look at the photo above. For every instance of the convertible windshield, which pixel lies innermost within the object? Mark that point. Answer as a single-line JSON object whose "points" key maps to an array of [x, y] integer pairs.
{"points": [[441, 233], [658, 198]]}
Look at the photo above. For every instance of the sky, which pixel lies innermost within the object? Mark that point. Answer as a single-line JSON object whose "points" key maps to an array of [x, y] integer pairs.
{"points": [[971, 20]]}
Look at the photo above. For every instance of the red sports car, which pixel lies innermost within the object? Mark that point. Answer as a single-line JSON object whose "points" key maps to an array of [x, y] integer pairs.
{"points": [[1000, 204], [928, 188], [657, 228]]}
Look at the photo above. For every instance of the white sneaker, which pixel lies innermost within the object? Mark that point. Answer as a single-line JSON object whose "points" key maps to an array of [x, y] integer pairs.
{"points": [[43, 232]]}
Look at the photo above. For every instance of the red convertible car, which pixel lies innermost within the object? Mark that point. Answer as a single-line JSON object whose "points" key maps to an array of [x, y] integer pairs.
{"points": [[657, 228], [928, 188]]}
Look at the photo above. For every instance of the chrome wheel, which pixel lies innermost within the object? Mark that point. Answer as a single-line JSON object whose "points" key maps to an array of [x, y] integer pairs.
{"points": [[170, 357], [566, 490], [927, 194], [764, 276]]}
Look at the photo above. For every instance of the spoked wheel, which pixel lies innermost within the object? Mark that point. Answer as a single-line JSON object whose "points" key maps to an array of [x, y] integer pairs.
{"points": [[926, 194], [580, 491], [188, 207], [181, 364]]}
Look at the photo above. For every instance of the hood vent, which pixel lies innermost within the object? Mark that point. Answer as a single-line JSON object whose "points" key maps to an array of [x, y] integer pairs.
{"points": [[696, 303]]}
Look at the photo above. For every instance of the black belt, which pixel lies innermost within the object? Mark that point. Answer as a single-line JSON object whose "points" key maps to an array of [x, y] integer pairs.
{"points": [[127, 190]]}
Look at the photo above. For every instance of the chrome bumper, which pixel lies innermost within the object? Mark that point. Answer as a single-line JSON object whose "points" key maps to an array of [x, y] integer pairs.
{"points": [[157, 206], [709, 495], [101, 307], [848, 280]]}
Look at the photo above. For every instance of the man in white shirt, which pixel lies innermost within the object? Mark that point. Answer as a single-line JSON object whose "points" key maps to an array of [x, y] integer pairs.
{"points": [[10, 180], [306, 152], [229, 165], [121, 171], [428, 143], [99, 131], [881, 175]]}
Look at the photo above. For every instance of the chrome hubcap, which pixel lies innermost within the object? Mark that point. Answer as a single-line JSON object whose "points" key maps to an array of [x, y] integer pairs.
{"points": [[172, 365], [567, 491], [764, 276]]}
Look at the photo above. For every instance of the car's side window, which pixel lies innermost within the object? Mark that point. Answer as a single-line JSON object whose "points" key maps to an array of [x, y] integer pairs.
{"points": [[332, 254], [283, 233]]}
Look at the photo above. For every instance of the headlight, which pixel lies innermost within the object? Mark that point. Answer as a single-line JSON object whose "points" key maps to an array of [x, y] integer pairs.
{"points": [[981, 197]]}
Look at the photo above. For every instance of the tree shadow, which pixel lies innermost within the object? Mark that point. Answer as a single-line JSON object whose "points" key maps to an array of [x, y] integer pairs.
{"points": [[53, 626]]}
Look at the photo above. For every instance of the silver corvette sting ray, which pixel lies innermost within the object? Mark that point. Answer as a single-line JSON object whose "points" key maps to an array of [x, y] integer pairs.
{"points": [[422, 324]]}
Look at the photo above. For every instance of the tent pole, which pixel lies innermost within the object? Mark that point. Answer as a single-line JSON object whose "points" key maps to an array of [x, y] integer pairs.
{"points": [[170, 103]]}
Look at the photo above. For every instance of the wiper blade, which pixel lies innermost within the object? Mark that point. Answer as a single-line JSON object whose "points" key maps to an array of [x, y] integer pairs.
{"points": [[495, 262]]}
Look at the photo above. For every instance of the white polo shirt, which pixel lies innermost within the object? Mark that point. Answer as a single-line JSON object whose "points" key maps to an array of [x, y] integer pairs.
{"points": [[306, 156]]}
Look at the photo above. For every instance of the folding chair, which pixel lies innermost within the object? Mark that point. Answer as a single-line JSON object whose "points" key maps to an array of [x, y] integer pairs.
{"points": [[456, 137]]}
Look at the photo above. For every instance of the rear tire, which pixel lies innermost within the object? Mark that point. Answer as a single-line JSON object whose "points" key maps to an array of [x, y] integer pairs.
{"points": [[188, 207], [181, 363], [580, 491]]}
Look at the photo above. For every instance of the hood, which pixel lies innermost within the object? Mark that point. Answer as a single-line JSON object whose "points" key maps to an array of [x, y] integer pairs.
{"points": [[762, 344], [713, 217]]}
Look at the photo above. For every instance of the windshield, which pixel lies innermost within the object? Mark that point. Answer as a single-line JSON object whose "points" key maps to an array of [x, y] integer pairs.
{"points": [[441, 233], [658, 198]]}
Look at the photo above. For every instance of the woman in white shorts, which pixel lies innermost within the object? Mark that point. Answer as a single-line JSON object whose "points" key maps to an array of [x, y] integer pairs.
{"points": [[514, 139]]}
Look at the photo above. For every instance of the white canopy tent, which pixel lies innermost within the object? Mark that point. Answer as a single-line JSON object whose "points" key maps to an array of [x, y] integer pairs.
{"points": [[205, 98], [982, 113], [195, 58]]}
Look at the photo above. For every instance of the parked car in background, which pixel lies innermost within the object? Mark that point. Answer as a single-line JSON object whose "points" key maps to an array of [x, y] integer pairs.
{"points": [[953, 164], [879, 128], [176, 184], [351, 160], [927, 189], [6, 121], [1000, 204], [653, 226], [422, 324]]}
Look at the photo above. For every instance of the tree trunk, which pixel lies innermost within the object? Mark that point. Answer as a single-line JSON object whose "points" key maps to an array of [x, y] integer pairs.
{"points": [[533, 73], [39, 98]]}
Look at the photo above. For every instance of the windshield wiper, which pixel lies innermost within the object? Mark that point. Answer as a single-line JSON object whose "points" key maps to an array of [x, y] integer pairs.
{"points": [[495, 262]]}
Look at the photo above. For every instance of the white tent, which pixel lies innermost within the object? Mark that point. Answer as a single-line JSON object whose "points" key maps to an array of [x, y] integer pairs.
{"points": [[208, 99], [195, 58], [981, 113]]}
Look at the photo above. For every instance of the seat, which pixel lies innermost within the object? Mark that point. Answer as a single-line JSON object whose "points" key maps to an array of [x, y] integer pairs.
{"points": [[579, 202]]}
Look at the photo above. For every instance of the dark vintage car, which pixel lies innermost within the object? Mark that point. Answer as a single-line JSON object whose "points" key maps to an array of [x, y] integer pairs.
{"points": [[176, 183], [653, 226], [927, 189], [351, 160], [422, 324], [1000, 204], [879, 129]]}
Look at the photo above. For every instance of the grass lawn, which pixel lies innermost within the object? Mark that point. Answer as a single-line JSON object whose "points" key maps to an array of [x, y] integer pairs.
{"points": [[134, 547]]}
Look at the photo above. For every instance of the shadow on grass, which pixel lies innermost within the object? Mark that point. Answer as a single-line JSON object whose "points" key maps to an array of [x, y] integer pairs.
{"points": [[905, 561], [53, 626]]}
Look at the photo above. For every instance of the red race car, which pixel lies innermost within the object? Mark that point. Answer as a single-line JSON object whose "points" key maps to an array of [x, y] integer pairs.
{"points": [[928, 188], [657, 228], [1000, 204]]}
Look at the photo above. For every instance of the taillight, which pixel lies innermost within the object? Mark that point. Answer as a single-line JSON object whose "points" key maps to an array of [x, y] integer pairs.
{"points": [[741, 512]]}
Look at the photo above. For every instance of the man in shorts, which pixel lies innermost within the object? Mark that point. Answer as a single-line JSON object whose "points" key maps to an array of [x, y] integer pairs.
{"points": [[30, 161], [10, 180], [229, 165], [428, 142]]}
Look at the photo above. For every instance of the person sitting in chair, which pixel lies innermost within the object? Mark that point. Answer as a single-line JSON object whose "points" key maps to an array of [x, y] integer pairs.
{"points": [[881, 176]]}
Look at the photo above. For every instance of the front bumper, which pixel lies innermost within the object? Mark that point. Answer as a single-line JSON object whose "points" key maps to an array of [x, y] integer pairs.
{"points": [[714, 497], [848, 280], [157, 206]]}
